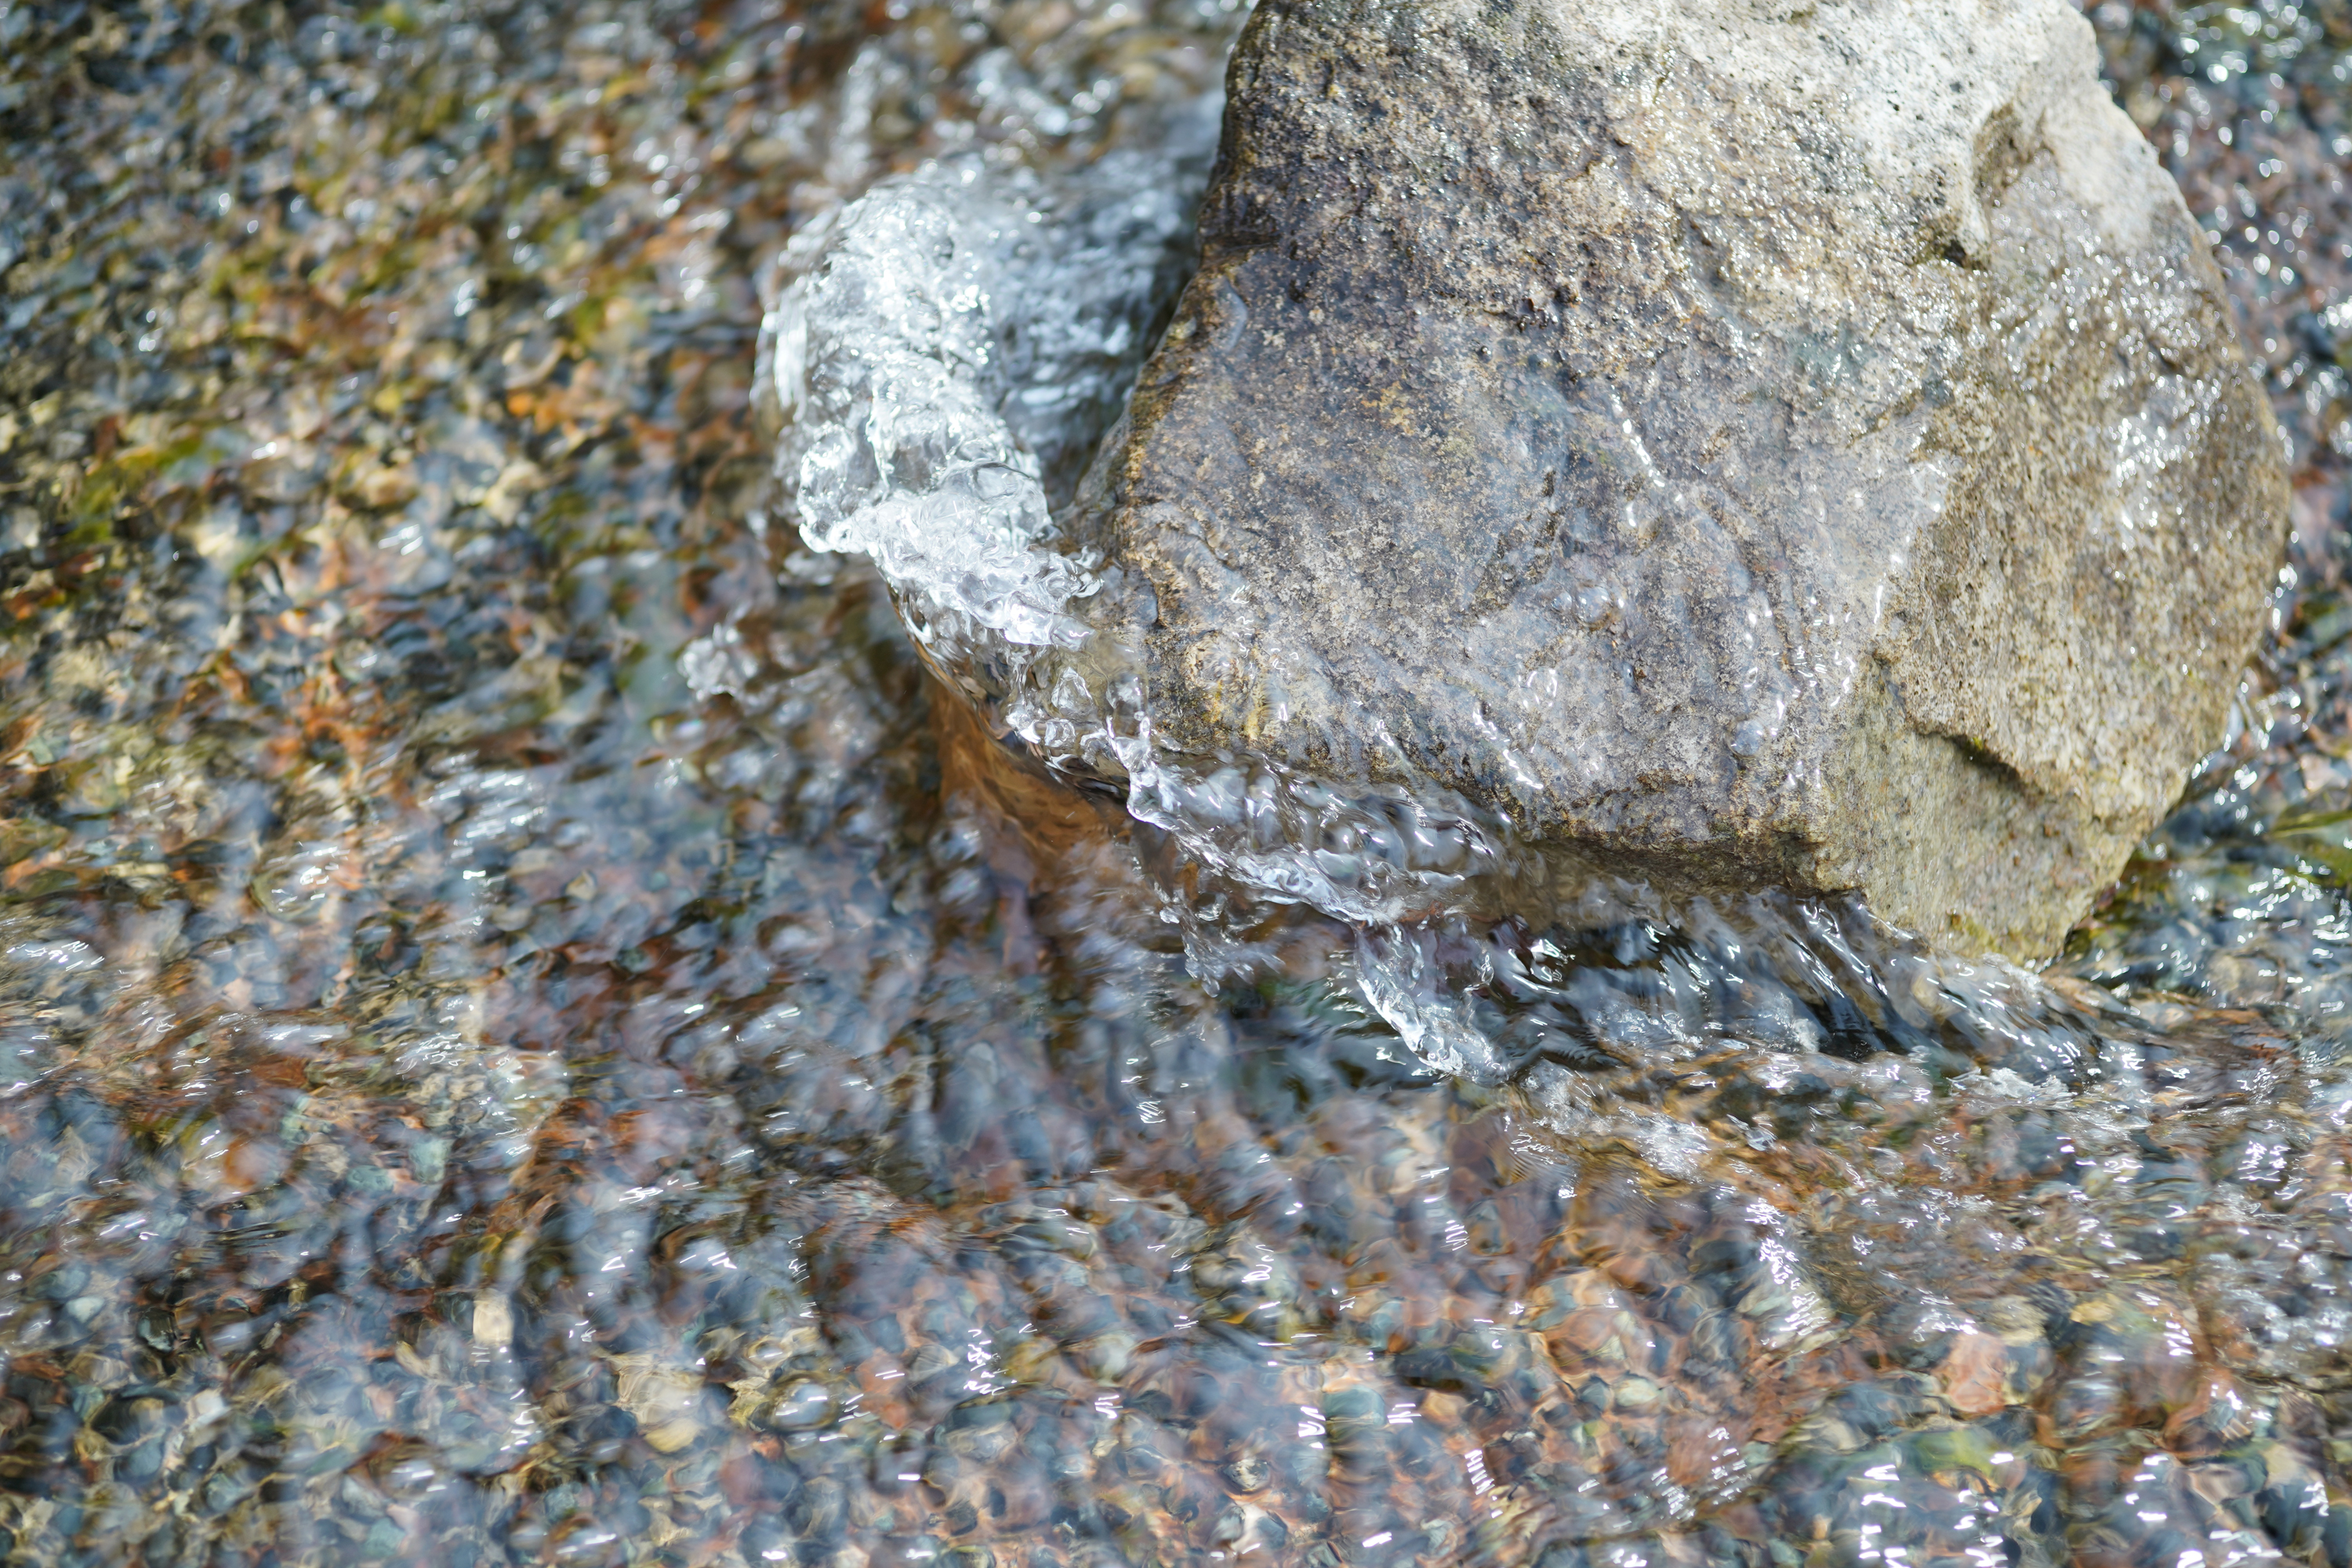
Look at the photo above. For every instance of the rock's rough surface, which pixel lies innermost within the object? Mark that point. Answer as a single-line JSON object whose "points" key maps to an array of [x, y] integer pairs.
{"points": [[1739, 443]]}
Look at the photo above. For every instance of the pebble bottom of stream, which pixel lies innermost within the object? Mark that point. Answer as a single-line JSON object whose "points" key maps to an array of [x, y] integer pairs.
{"points": [[517, 1045]]}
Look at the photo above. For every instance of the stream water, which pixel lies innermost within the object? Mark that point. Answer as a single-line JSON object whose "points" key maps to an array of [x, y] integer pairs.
{"points": [[529, 1032]]}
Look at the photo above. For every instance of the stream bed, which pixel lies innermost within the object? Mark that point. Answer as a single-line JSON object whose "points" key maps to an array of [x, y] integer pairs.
{"points": [[529, 1031]]}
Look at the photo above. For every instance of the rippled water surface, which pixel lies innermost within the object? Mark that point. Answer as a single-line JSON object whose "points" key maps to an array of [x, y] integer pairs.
{"points": [[528, 1032]]}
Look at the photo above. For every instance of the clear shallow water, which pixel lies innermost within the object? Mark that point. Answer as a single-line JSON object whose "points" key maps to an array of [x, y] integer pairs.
{"points": [[529, 1038]]}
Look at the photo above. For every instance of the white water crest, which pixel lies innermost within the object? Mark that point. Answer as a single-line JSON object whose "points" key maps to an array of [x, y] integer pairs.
{"points": [[945, 351], [890, 367]]}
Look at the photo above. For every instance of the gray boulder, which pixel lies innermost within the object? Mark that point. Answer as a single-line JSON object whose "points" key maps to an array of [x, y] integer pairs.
{"points": [[1740, 444]]}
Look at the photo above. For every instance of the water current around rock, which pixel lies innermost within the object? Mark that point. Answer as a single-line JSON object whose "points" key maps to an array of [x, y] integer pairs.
{"points": [[529, 1030]]}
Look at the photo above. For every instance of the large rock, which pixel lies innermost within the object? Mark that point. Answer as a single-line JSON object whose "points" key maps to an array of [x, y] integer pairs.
{"points": [[1797, 444]]}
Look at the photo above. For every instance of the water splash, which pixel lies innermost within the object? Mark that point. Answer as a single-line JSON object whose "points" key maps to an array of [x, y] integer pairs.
{"points": [[889, 366], [942, 352]]}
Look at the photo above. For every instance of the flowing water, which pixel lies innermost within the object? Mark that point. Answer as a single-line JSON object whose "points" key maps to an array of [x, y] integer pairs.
{"points": [[529, 1031]]}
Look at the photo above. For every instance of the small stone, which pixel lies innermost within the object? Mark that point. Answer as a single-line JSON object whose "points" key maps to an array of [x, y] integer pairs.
{"points": [[1106, 1357], [493, 1321], [1975, 1373], [1636, 1394], [799, 1406], [382, 489], [666, 1400]]}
